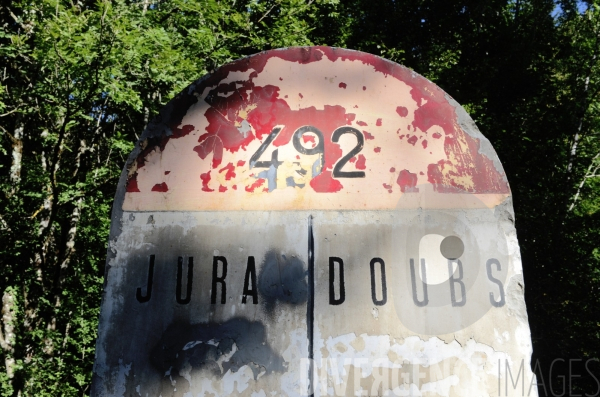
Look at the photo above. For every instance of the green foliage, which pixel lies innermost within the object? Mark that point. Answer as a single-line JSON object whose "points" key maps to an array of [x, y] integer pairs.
{"points": [[528, 73], [80, 80]]}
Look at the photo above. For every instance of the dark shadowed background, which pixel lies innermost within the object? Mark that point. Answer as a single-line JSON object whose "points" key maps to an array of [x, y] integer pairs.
{"points": [[79, 80]]}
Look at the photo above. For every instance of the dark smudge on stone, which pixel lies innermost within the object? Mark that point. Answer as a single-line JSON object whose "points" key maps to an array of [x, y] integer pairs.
{"points": [[201, 345], [282, 279]]}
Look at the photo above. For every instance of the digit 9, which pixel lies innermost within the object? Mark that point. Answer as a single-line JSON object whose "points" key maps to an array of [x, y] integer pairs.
{"points": [[319, 147]]}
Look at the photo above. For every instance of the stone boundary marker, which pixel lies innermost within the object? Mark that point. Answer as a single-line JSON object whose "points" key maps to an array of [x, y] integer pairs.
{"points": [[313, 221]]}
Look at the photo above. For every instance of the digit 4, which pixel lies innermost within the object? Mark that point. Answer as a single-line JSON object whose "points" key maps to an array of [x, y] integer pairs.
{"points": [[271, 174]]}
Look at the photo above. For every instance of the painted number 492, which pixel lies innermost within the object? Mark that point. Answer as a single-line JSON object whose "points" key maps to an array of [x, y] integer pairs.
{"points": [[319, 149]]}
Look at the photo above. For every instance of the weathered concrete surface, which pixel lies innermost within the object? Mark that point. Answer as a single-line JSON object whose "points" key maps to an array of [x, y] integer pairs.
{"points": [[251, 194]]}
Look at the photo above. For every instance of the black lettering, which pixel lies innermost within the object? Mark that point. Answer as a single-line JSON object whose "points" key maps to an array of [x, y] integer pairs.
{"points": [[494, 280], [190, 273], [138, 294], [360, 142], [413, 281], [254, 162], [342, 298], [457, 280], [221, 280], [383, 283], [250, 277]]}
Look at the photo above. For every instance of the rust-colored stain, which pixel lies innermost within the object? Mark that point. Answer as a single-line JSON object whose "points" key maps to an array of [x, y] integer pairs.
{"points": [[278, 125]]}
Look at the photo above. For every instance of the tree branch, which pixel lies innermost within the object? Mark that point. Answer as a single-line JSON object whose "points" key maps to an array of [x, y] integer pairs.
{"points": [[589, 174]]}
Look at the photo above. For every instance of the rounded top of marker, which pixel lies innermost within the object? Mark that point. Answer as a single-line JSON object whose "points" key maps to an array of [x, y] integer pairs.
{"points": [[312, 128]]}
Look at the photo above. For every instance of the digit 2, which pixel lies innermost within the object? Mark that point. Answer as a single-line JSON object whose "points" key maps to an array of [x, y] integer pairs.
{"points": [[337, 169]]}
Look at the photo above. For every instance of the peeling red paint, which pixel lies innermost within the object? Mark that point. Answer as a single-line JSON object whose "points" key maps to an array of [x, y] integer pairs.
{"points": [[210, 144], [361, 123], [352, 160], [132, 185], [361, 162], [230, 171], [256, 184], [436, 111], [470, 164], [241, 163], [153, 144], [377, 149], [324, 183], [392, 169], [326, 120], [268, 110], [205, 180], [234, 187], [424, 143], [402, 111], [378, 123], [181, 132], [160, 187], [367, 135], [227, 99], [301, 96], [407, 181], [222, 188], [308, 138], [342, 85]]}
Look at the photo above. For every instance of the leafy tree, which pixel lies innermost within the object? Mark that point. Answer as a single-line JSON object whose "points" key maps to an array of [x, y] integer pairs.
{"points": [[528, 73], [79, 81]]}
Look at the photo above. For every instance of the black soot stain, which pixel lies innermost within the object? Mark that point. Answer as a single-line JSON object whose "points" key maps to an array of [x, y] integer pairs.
{"points": [[282, 279], [202, 345]]}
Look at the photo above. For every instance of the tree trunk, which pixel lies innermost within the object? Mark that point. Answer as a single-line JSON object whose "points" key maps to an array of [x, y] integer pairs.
{"points": [[577, 136], [590, 173], [17, 155], [7, 335]]}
